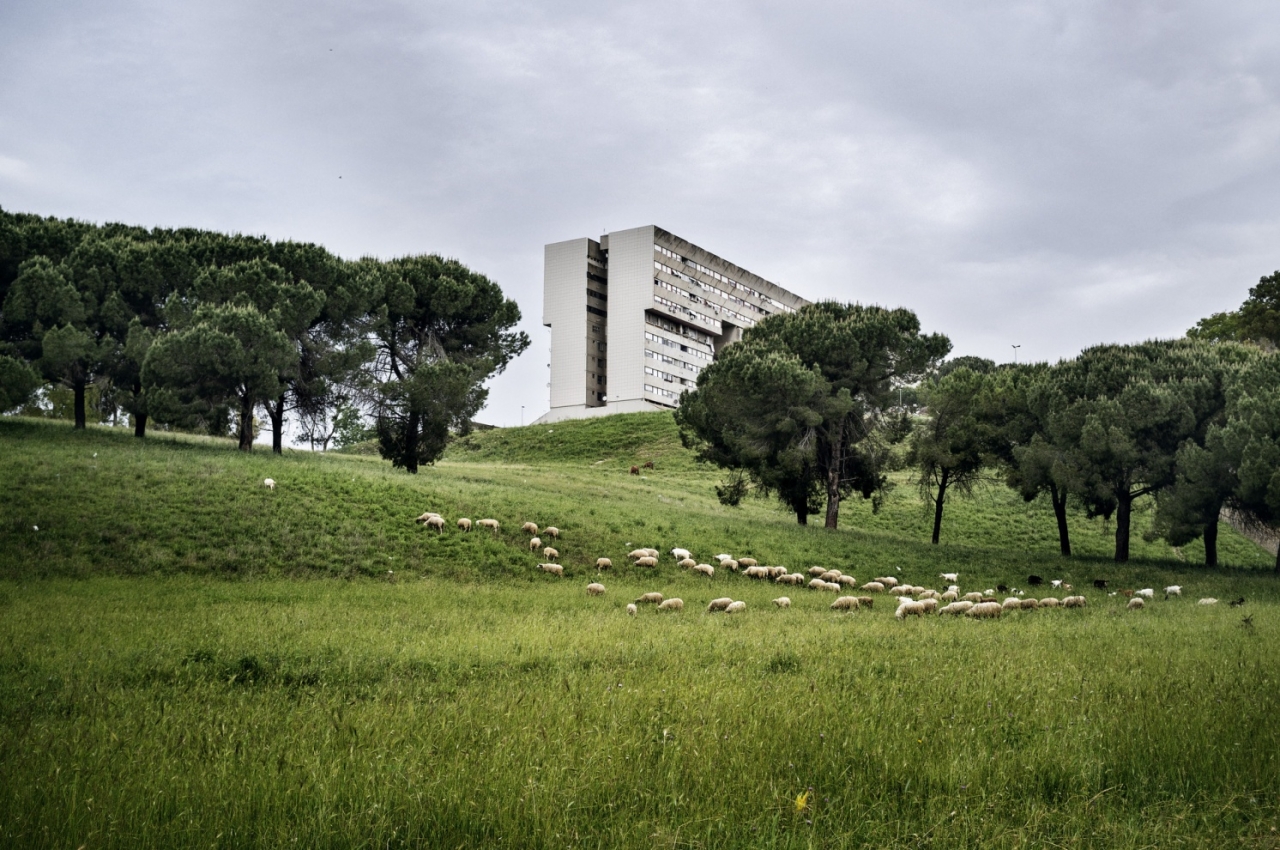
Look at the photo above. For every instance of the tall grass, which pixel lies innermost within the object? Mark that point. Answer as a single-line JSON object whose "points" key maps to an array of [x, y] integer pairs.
{"points": [[464, 699]]}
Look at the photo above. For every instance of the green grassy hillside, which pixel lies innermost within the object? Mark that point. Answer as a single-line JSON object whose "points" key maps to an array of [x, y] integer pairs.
{"points": [[172, 675]]}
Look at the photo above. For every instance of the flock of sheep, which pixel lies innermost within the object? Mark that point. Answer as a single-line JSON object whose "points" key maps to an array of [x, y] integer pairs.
{"points": [[911, 600]]}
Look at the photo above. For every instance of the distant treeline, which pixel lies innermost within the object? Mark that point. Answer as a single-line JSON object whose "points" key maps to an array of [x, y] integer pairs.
{"points": [[201, 330], [815, 406]]}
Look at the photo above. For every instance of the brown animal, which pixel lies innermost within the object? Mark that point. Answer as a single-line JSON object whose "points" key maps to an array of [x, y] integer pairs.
{"points": [[648, 464], [635, 470]]}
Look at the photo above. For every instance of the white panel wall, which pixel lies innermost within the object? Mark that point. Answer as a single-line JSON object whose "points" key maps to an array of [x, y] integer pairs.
{"points": [[564, 310], [630, 294]]}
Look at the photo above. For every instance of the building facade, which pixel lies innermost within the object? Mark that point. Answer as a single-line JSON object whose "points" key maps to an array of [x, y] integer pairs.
{"points": [[636, 315]]}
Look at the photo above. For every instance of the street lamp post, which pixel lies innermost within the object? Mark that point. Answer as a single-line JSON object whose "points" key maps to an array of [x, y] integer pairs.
{"points": [[522, 416], [1015, 352]]}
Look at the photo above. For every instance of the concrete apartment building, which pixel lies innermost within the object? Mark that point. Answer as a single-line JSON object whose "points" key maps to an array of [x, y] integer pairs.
{"points": [[636, 315]]}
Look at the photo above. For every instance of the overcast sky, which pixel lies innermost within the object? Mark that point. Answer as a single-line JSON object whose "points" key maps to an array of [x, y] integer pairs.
{"points": [[1045, 174]]}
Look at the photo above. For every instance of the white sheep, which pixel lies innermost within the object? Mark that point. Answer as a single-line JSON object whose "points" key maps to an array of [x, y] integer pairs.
{"points": [[949, 596], [847, 581], [491, 524], [595, 589], [631, 609], [435, 522], [530, 528], [910, 608], [464, 523], [1049, 602], [928, 593], [603, 564], [1136, 604], [554, 569], [830, 575], [873, 587], [953, 588], [782, 602], [646, 561], [756, 572], [1208, 600], [1173, 590], [817, 571], [705, 569], [736, 607], [974, 597], [1057, 582], [269, 483], [652, 553], [552, 532], [951, 578], [831, 586], [730, 564], [638, 553], [1029, 604], [790, 578], [748, 562], [681, 554], [550, 554], [426, 516], [1145, 593], [774, 572], [985, 610], [845, 603], [673, 604], [1074, 602], [930, 605], [688, 563], [866, 602], [723, 556], [651, 597], [956, 608], [816, 584], [719, 604], [1013, 603], [535, 543], [887, 581]]}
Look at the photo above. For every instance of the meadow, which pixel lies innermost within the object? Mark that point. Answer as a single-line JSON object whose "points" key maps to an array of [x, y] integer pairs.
{"points": [[187, 658]]}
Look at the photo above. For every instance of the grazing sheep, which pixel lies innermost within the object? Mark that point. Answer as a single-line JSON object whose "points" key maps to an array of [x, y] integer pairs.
{"points": [[646, 561], [990, 592], [985, 611], [706, 569], [736, 607], [949, 596], [866, 602], [756, 572], [529, 528], [782, 602], [747, 562], [552, 532], [428, 515], [550, 554], [1145, 593], [631, 609], [816, 584], [1208, 600], [730, 564], [1135, 604], [774, 572], [681, 554], [954, 588], [909, 608], [603, 564], [1173, 590], [269, 483], [845, 603], [790, 578], [816, 571], [930, 605], [1049, 602], [652, 596], [595, 589], [950, 578], [464, 523], [535, 544], [830, 575], [1056, 583], [490, 524], [554, 569], [873, 587], [956, 608], [1029, 604], [688, 563], [723, 556], [975, 597], [638, 553], [887, 581], [719, 604], [929, 593], [673, 604], [1126, 593], [1073, 602], [435, 522], [831, 586], [652, 553], [847, 581], [635, 470]]}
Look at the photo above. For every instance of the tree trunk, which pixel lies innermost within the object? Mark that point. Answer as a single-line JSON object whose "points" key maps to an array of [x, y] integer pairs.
{"points": [[276, 411], [1124, 508], [802, 511], [937, 505], [77, 387], [411, 445], [1278, 560], [835, 464], [139, 425], [1211, 542], [1059, 500], [246, 424]]}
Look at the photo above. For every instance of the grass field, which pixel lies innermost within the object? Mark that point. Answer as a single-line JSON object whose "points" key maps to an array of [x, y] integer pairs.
{"points": [[188, 659]]}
